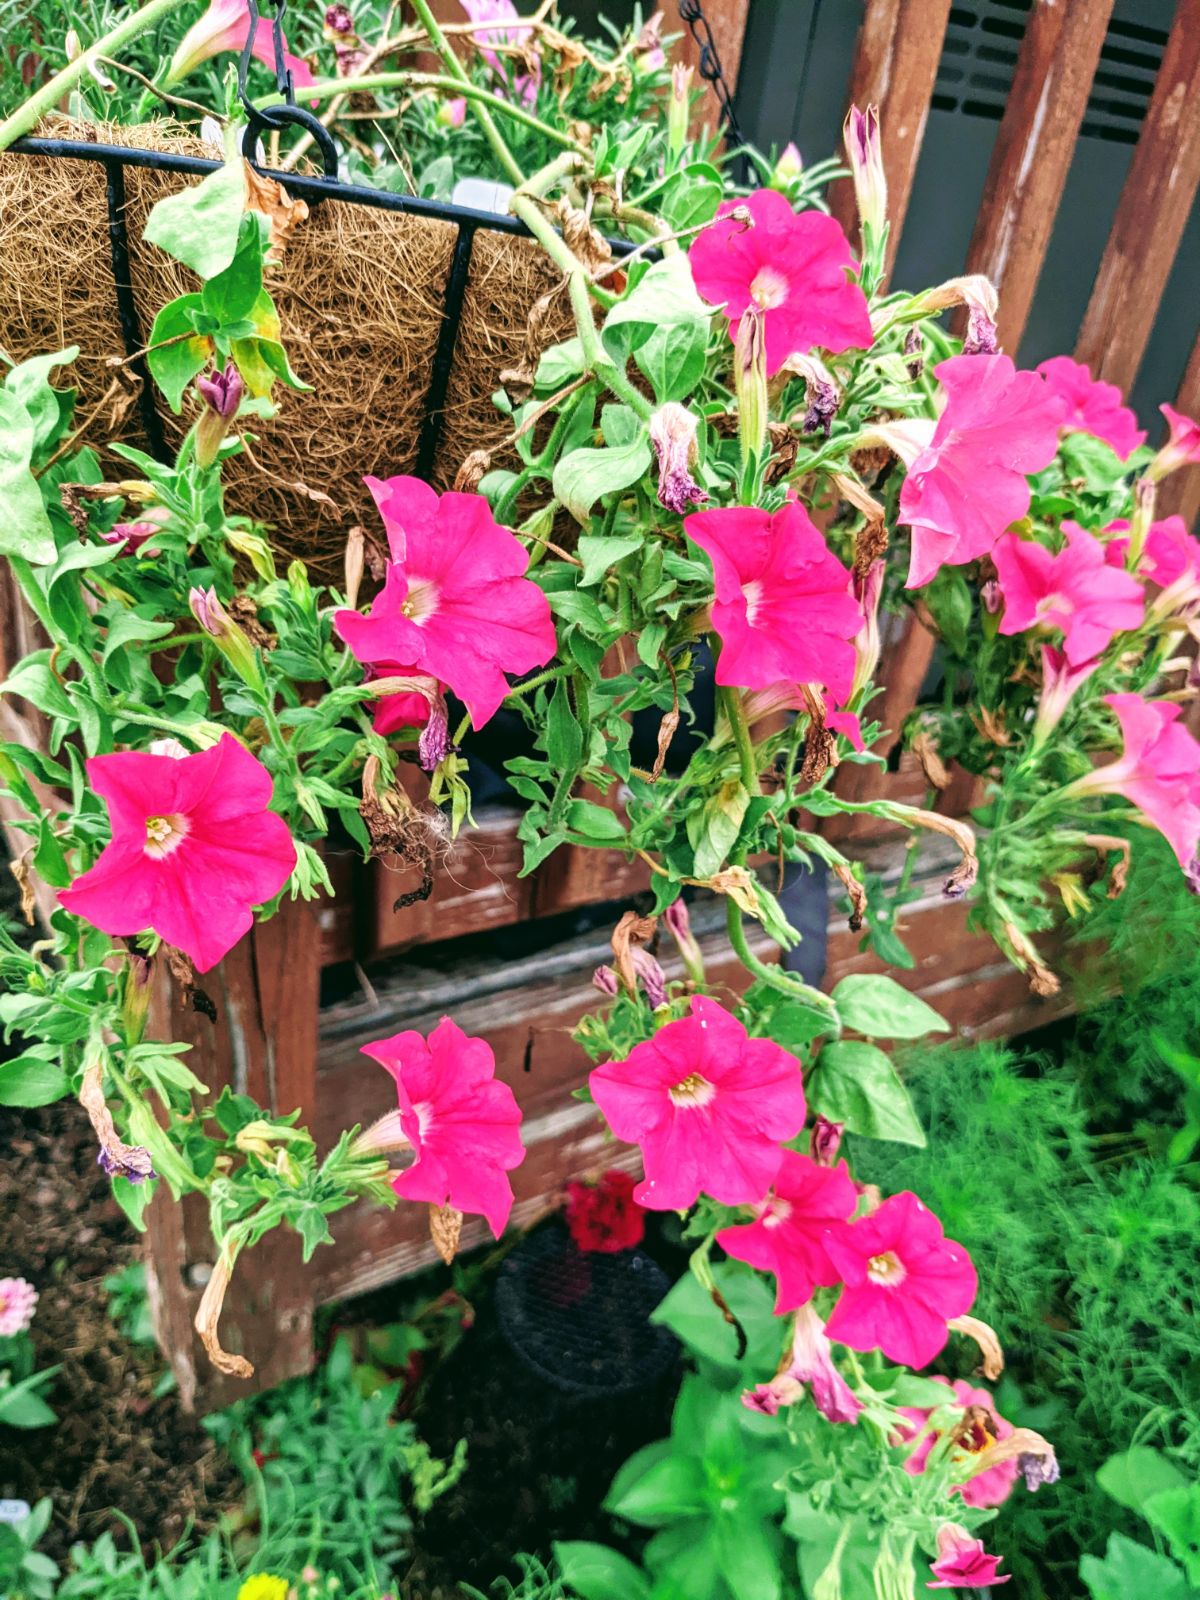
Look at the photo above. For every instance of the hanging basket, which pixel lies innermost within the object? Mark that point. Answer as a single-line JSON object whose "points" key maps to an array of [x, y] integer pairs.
{"points": [[400, 312]]}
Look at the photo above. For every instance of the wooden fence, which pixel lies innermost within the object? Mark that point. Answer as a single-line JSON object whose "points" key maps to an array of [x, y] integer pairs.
{"points": [[385, 970]]}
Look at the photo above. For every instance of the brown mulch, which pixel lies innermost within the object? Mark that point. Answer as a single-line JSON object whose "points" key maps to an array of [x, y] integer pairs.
{"points": [[115, 1446]]}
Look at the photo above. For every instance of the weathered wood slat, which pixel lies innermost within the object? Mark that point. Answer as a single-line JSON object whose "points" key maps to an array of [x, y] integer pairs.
{"points": [[1151, 213], [1033, 152], [895, 65]]}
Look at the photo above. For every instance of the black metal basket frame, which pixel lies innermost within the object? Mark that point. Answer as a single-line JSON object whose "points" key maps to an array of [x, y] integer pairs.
{"points": [[316, 189]]}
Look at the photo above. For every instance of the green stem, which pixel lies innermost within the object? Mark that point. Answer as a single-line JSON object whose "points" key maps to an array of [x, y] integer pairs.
{"points": [[26, 117], [455, 70], [775, 977], [551, 675], [736, 712]]}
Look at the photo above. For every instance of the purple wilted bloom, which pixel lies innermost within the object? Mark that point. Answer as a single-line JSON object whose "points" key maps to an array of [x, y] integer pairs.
{"points": [[812, 1363], [914, 349], [673, 434], [651, 976], [434, 743], [981, 334], [223, 392], [822, 402], [1038, 1467], [962, 879], [339, 20], [130, 1161], [769, 1398], [18, 1298], [826, 1140], [605, 979]]}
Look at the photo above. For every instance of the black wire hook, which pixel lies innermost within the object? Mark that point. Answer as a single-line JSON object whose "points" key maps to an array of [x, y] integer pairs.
{"points": [[691, 12], [269, 118]]}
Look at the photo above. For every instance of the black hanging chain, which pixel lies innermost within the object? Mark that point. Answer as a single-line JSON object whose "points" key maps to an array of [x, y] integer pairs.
{"points": [[270, 118], [691, 12]]}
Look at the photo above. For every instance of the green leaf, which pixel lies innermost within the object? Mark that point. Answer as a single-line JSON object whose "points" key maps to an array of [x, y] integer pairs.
{"points": [[665, 297], [231, 296], [30, 382], [879, 1007], [594, 1572], [673, 359], [564, 738], [714, 827], [669, 1489], [22, 1407], [857, 1084], [598, 552], [24, 525], [176, 352], [32, 680], [558, 365], [584, 476], [1175, 1513], [127, 628], [1132, 1477], [200, 225], [688, 1310], [32, 1080], [748, 1558], [951, 604], [595, 822], [133, 1199], [1131, 1572]]}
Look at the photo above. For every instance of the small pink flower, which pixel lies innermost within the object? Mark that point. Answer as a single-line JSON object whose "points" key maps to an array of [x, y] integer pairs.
{"points": [[788, 1237], [455, 601], [1077, 591], [18, 1300], [1170, 558], [969, 482], [452, 113], [793, 267], [503, 11], [963, 1563], [904, 1279], [989, 1488], [812, 1363], [826, 1140], [1059, 683], [462, 1123], [1182, 448], [783, 609], [137, 533], [1158, 770], [709, 1107], [194, 847], [768, 1399], [1092, 407], [225, 26]]}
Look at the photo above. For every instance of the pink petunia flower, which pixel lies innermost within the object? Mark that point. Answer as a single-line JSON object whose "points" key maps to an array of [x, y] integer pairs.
{"points": [[462, 1123], [225, 26], [1182, 448], [709, 1106], [1059, 683], [963, 1563], [904, 1279], [1092, 407], [455, 601], [783, 609], [1077, 591], [812, 1363], [513, 32], [135, 534], [968, 483], [194, 847], [989, 1488], [793, 267], [1170, 558], [807, 1203], [18, 1301], [1158, 770]]}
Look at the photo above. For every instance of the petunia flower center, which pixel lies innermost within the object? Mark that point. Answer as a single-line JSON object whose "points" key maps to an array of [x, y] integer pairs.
{"points": [[768, 288], [776, 1211], [166, 833], [691, 1092], [752, 593], [886, 1269], [421, 601], [423, 1111]]}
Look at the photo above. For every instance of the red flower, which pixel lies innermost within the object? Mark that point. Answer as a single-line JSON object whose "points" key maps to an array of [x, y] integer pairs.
{"points": [[194, 847], [455, 604], [904, 1279], [793, 268], [1092, 407], [604, 1216], [969, 481], [463, 1125], [807, 1204], [783, 609], [709, 1106]]}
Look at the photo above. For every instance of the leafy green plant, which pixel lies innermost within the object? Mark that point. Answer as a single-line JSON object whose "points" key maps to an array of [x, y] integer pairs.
{"points": [[1146, 1482], [25, 1572]]}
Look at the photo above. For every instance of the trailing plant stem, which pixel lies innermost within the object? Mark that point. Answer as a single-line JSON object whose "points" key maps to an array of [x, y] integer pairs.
{"points": [[455, 70]]}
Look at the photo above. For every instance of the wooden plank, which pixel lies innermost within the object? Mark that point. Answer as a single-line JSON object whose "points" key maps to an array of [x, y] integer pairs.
{"points": [[1151, 213], [263, 1043], [895, 66], [1180, 493], [1033, 152]]}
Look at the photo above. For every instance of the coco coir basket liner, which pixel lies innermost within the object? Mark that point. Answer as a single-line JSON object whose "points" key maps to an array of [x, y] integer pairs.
{"points": [[362, 293]]}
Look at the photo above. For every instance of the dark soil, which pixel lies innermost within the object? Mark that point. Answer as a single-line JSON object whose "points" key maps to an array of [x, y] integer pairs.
{"points": [[115, 1444]]}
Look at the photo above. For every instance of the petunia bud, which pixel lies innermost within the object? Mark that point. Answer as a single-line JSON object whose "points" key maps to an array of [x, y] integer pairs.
{"points": [[222, 393], [865, 154], [451, 113], [673, 435], [339, 23], [605, 979], [826, 1140], [680, 928], [788, 168], [135, 997], [355, 559], [750, 382], [229, 638], [135, 534], [651, 977], [679, 109]]}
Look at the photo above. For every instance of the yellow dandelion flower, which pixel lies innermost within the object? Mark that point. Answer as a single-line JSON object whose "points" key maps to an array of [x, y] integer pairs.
{"points": [[263, 1586]]}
